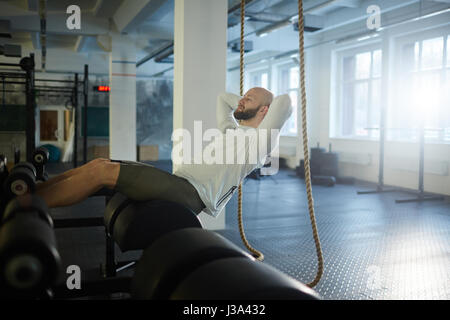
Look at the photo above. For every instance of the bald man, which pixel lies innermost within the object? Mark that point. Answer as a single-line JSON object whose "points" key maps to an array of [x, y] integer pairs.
{"points": [[199, 187]]}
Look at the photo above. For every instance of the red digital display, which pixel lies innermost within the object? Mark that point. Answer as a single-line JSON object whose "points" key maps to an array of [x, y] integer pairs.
{"points": [[102, 88]]}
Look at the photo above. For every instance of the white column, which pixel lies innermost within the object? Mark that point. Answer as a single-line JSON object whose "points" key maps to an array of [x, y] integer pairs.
{"points": [[122, 99], [200, 49]]}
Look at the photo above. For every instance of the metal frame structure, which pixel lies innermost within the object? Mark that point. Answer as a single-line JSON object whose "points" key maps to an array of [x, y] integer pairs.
{"points": [[31, 88]]}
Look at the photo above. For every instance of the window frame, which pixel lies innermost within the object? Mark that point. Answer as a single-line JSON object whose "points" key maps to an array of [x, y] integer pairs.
{"points": [[336, 112], [266, 68], [287, 65]]}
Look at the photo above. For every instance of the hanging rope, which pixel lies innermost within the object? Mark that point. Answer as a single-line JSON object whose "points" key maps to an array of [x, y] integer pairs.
{"points": [[301, 29], [257, 254]]}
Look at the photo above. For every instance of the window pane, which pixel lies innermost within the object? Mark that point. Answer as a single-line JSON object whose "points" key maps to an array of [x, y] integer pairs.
{"points": [[290, 127], [347, 109], [416, 56], [284, 81], [255, 81], [361, 108], [432, 52], [349, 68], [374, 119], [426, 102], [448, 53], [376, 63], [363, 65], [294, 78], [445, 118], [410, 57], [264, 81]]}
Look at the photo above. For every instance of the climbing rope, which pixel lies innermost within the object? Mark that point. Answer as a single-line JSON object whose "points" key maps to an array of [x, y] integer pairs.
{"points": [[257, 254], [301, 29]]}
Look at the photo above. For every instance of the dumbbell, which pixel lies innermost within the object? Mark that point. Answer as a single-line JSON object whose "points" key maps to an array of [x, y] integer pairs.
{"points": [[29, 260], [40, 158], [21, 179]]}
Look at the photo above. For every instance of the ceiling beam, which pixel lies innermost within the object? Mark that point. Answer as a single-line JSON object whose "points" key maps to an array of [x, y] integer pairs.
{"points": [[131, 14], [106, 8], [349, 3], [79, 44], [56, 24]]}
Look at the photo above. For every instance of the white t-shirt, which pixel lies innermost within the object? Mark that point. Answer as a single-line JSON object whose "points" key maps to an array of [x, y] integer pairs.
{"points": [[216, 182]]}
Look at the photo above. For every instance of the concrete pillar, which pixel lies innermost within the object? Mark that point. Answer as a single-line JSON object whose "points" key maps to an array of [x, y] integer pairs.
{"points": [[200, 68], [122, 99]]}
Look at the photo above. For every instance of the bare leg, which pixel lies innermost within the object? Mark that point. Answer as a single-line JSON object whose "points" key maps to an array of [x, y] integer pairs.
{"points": [[67, 174], [76, 186]]}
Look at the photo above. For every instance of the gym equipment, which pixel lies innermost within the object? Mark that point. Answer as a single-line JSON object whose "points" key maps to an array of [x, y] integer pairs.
{"points": [[29, 260], [133, 226], [136, 225], [328, 181], [26, 64], [16, 155], [199, 264], [322, 163], [315, 160], [171, 258], [40, 158], [240, 279], [3, 168], [329, 164], [21, 179], [420, 194], [32, 90]]}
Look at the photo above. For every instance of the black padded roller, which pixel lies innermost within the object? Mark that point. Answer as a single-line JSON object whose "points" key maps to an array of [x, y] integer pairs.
{"points": [[174, 256], [241, 279], [32, 203], [29, 260], [135, 225]]}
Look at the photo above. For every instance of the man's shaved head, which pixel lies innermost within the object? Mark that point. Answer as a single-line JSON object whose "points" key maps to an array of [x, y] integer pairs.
{"points": [[265, 97], [253, 100]]}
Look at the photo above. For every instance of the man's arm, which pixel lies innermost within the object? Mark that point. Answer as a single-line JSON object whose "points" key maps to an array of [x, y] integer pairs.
{"points": [[226, 104], [279, 111]]}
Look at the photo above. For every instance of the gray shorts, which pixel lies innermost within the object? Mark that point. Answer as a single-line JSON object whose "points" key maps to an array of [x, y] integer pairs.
{"points": [[142, 182]]}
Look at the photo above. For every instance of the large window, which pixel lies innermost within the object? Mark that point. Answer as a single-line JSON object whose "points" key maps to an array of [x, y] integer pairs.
{"points": [[359, 94], [259, 78], [289, 83], [422, 97]]}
